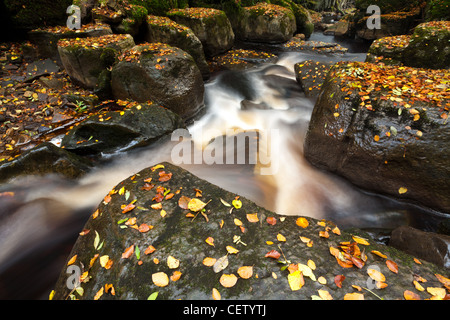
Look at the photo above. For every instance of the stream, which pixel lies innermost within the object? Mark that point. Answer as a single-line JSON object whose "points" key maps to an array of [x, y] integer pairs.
{"points": [[42, 222]]}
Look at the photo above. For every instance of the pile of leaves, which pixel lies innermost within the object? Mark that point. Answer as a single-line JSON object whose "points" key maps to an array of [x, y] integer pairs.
{"points": [[239, 59], [297, 44], [164, 21], [65, 29], [268, 10], [196, 13], [157, 49], [93, 42]]}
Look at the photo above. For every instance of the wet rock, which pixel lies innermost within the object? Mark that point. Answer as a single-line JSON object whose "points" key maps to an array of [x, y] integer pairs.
{"points": [[85, 58], [163, 29], [160, 73], [428, 39], [211, 26], [311, 76], [297, 44], [432, 247], [382, 137], [241, 59], [120, 236], [266, 23], [44, 159], [46, 39], [113, 131]]}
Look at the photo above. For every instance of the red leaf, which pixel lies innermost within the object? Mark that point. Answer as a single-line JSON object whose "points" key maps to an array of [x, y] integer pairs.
{"points": [[272, 254], [338, 280], [272, 221]]}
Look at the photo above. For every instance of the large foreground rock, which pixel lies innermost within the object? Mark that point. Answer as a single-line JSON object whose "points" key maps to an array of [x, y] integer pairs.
{"points": [[147, 237], [266, 23], [385, 129], [85, 58], [160, 73], [113, 131], [211, 26]]}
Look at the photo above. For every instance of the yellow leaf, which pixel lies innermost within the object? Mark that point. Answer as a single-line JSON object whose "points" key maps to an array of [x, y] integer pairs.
{"points": [[216, 294], [280, 237], [252, 217], [196, 205], [210, 241], [354, 296], [72, 260], [172, 263], [296, 280], [104, 260], [418, 286], [324, 294], [402, 190], [322, 280], [305, 239], [360, 240], [378, 253], [376, 275], [99, 293], [311, 265], [232, 250], [228, 280], [237, 222], [245, 272], [209, 262], [176, 275], [160, 279], [439, 292]]}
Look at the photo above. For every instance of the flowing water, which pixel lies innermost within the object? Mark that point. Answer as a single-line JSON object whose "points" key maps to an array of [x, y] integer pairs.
{"points": [[43, 220]]}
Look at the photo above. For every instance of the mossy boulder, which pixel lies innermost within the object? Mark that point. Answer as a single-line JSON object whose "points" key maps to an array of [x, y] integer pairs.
{"points": [[161, 73], [303, 17], [241, 59], [159, 7], [266, 23], [122, 130], [385, 129], [46, 39], [85, 58], [150, 234], [163, 29], [430, 39], [45, 159], [211, 26], [311, 76]]}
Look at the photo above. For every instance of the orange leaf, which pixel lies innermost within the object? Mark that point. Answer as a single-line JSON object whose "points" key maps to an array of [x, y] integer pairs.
{"points": [[376, 275], [252, 217], [409, 295], [228, 280], [99, 293], [144, 228], [128, 207], [163, 176], [160, 279], [245, 272], [354, 296], [445, 281], [216, 294], [175, 275], [392, 266], [274, 254], [302, 222], [272, 221], [378, 253], [338, 280], [72, 260], [150, 249], [209, 262], [128, 252]]}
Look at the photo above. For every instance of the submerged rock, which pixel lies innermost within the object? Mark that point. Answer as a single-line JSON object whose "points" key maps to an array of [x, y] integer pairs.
{"points": [[113, 131], [211, 26], [160, 73], [43, 159], [385, 129], [85, 58], [165, 230]]}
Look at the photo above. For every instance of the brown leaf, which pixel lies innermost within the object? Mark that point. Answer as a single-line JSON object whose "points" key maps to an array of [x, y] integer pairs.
{"points": [[357, 262], [271, 220], [274, 254], [128, 252], [392, 266], [409, 295], [163, 176], [338, 280], [183, 202]]}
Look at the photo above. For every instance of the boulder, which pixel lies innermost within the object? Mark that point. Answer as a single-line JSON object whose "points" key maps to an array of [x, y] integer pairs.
{"points": [[241, 59], [297, 44], [303, 17], [112, 131], [428, 39], [385, 129], [163, 29], [165, 230], [211, 26], [44, 159], [85, 58], [311, 76], [46, 39], [266, 23], [160, 73], [432, 247]]}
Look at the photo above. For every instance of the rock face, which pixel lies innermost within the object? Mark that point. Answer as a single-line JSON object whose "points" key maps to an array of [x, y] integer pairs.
{"points": [[428, 39], [163, 29], [311, 75], [383, 136], [46, 39], [160, 73], [211, 26], [85, 58], [153, 236], [46, 158], [114, 131], [266, 23]]}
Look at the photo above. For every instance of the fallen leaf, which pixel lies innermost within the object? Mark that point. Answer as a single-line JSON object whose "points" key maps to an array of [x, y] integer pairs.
{"points": [[109, 287], [183, 202], [144, 228], [336, 230], [150, 249], [360, 240], [280, 237], [409, 295], [274, 254], [324, 294], [226, 204], [402, 190], [418, 286], [445, 281], [176, 275], [338, 280], [99, 293], [392, 266], [439, 292], [195, 205], [104, 260], [354, 296], [220, 264], [216, 294], [252, 217], [245, 272], [296, 280], [210, 241], [237, 222], [302, 222], [72, 260], [232, 250], [378, 253], [376, 275], [417, 261], [237, 203], [128, 252], [153, 296], [322, 280], [228, 280], [163, 176], [160, 279], [305, 239], [128, 207], [311, 264], [324, 234], [172, 262], [357, 262], [209, 262], [271, 220]]}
